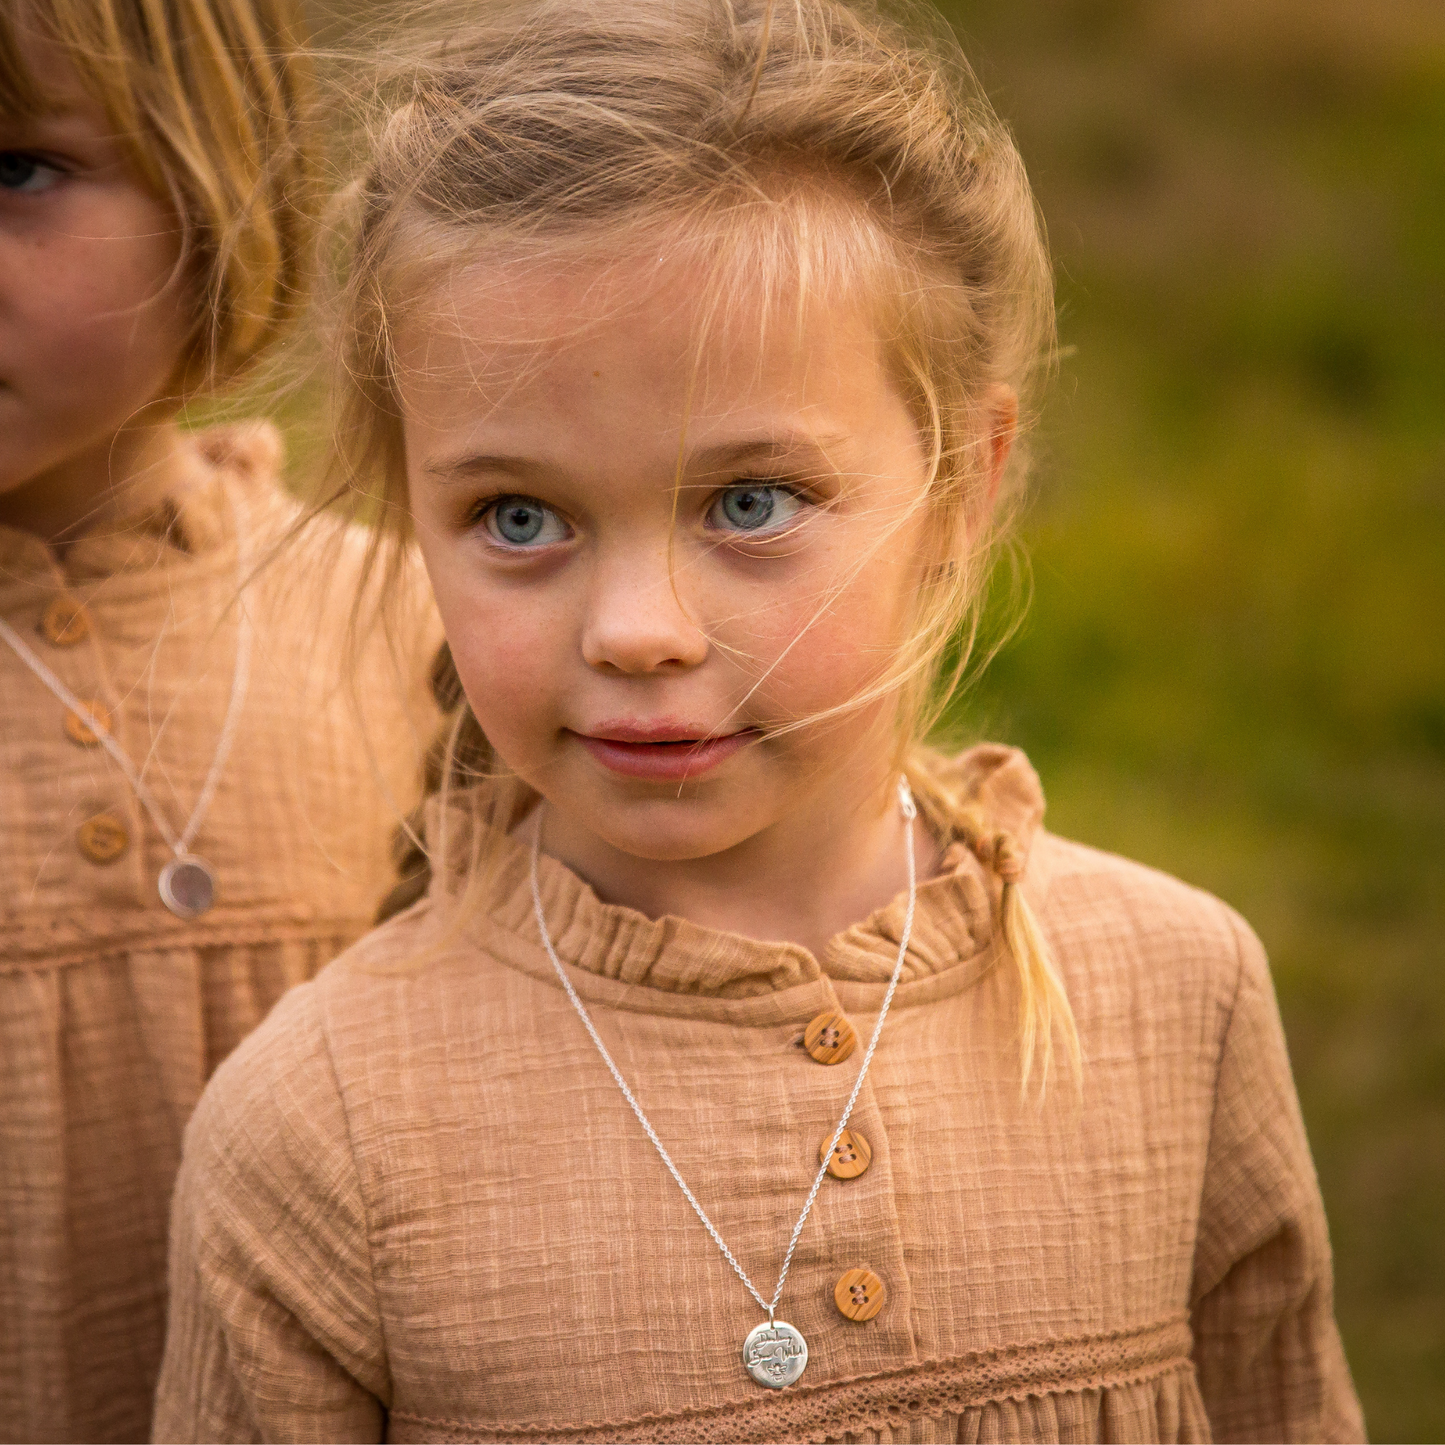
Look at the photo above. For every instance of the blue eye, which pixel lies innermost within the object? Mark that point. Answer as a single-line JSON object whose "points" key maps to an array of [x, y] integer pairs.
{"points": [[524, 522], [23, 173], [754, 507]]}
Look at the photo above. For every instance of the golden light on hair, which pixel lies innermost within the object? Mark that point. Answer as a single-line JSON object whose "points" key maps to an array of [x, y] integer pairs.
{"points": [[214, 98], [815, 148]]}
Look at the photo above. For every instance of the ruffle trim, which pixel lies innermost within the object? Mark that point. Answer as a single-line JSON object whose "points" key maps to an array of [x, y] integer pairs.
{"points": [[835, 1408], [954, 923]]}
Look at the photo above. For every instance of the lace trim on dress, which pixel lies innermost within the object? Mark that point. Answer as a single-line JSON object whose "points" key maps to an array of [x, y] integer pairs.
{"points": [[844, 1407]]}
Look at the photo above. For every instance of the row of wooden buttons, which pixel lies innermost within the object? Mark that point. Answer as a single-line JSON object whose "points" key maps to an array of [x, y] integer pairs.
{"points": [[830, 1038], [65, 622]]}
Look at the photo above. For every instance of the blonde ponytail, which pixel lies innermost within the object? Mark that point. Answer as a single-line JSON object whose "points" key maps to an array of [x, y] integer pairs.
{"points": [[1044, 1008], [1044, 1013], [455, 755]]}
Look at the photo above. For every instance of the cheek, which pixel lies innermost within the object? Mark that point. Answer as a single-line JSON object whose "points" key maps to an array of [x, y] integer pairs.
{"points": [[135, 313], [807, 654], [103, 316], [511, 650], [510, 679]]}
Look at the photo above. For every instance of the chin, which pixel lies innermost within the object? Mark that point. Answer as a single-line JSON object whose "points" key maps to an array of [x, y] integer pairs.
{"points": [[652, 852], [674, 831]]}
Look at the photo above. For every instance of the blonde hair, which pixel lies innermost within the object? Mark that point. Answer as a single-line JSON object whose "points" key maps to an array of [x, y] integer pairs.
{"points": [[213, 98], [812, 144]]}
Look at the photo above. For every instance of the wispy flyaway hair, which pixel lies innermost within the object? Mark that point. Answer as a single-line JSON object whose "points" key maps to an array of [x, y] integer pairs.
{"points": [[214, 99], [821, 152]]}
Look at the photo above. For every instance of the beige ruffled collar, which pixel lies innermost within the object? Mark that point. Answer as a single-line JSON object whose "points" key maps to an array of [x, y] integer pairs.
{"points": [[953, 924]]}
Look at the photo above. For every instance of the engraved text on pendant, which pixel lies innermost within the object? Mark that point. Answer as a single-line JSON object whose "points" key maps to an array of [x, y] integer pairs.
{"points": [[187, 886], [775, 1354]]}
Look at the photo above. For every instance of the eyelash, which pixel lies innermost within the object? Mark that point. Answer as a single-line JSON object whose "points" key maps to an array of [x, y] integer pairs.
{"points": [[791, 490], [484, 512], [36, 160]]}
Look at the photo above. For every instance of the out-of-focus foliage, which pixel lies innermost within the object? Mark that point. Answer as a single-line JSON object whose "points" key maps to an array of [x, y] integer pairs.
{"points": [[1234, 662]]}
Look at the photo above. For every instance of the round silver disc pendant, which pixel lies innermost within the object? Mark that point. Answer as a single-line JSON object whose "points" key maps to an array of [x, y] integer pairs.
{"points": [[187, 886], [775, 1354]]}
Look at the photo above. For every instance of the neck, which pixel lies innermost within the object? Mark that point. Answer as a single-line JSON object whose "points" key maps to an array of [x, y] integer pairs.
{"points": [[90, 490], [803, 880]]}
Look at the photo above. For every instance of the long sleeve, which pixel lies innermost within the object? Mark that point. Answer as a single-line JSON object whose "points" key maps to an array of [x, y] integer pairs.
{"points": [[274, 1328], [1270, 1362]]}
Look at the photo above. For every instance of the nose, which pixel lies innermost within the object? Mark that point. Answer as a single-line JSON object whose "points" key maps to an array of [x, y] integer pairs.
{"points": [[636, 622]]}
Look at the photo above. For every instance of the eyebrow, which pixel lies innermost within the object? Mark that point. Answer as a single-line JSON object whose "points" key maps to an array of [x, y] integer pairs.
{"points": [[706, 460], [469, 464], [61, 125], [726, 454]]}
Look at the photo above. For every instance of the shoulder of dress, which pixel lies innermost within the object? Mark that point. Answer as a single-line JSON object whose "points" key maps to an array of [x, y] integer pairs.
{"points": [[246, 459], [252, 449], [1108, 912], [347, 559], [385, 951], [415, 977], [393, 968], [272, 1128], [294, 1062], [332, 554], [282, 1060]]}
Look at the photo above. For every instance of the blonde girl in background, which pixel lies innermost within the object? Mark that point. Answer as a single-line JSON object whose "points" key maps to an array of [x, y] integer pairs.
{"points": [[191, 820], [749, 1071]]}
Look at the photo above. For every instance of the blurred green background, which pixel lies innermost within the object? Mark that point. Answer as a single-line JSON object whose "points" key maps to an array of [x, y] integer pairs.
{"points": [[1233, 666]]}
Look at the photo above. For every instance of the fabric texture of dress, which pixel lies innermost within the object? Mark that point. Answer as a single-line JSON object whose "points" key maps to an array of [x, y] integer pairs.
{"points": [[113, 1012], [414, 1206]]}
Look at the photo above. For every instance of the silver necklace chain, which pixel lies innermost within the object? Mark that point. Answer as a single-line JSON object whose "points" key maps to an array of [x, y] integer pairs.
{"points": [[179, 844], [910, 812]]}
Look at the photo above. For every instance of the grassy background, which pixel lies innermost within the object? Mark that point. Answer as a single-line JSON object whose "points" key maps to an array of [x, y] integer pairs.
{"points": [[1234, 663]]}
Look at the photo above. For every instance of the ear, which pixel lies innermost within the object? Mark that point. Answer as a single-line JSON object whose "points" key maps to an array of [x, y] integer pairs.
{"points": [[1000, 409]]}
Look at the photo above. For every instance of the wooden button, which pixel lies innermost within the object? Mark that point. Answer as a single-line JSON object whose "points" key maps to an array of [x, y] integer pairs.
{"points": [[859, 1295], [851, 1154], [102, 838], [79, 731], [830, 1038], [65, 621]]}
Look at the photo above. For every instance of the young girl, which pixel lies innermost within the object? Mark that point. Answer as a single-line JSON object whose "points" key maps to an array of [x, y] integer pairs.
{"points": [[169, 867], [750, 1072]]}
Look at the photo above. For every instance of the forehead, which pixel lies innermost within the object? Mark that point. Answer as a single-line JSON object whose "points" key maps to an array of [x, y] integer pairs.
{"points": [[38, 77], [686, 333], [21, 92]]}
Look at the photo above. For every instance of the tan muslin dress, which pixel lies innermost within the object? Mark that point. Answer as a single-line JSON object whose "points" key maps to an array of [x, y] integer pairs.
{"points": [[113, 1013], [414, 1206]]}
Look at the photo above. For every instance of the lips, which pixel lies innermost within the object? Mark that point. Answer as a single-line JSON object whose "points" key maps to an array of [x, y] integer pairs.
{"points": [[662, 753]]}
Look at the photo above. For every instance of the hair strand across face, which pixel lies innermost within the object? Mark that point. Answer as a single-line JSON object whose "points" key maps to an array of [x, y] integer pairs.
{"points": [[814, 148]]}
